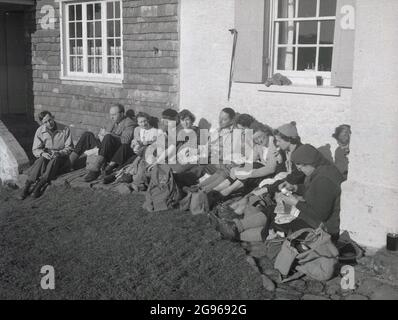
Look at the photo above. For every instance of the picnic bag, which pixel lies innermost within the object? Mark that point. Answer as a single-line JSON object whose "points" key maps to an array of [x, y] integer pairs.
{"points": [[307, 252], [163, 192]]}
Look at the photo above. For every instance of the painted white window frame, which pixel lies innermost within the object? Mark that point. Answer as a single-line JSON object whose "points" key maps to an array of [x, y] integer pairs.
{"points": [[65, 50], [307, 77]]}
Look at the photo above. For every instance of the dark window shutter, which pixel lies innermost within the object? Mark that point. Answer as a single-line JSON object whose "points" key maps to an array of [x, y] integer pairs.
{"points": [[344, 44], [252, 24]]}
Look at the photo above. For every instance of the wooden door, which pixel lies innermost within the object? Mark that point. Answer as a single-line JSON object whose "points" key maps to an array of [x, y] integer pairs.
{"points": [[13, 73]]}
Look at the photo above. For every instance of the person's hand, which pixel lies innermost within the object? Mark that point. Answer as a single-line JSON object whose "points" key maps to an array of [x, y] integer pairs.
{"points": [[55, 154], [102, 133], [286, 185], [46, 155], [290, 200]]}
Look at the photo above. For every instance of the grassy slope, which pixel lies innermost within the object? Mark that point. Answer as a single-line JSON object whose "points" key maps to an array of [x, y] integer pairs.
{"points": [[105, 246]]}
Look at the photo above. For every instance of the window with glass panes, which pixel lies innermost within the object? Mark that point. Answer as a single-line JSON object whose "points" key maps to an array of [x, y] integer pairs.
{"points": [[94, 39], [304, 35]]}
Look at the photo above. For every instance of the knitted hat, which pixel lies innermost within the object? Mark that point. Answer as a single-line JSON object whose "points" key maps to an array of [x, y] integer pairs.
{"points": [[308, 155], [289, 130]]}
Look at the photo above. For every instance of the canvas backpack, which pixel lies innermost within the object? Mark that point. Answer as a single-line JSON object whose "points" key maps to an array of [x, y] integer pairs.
{"points": [[163, 192], [196, 202], [307, 252]]}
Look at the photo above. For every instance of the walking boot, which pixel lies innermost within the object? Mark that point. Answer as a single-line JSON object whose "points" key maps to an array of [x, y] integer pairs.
{"points": [[26, 191], [72, 159], [39, 188]]}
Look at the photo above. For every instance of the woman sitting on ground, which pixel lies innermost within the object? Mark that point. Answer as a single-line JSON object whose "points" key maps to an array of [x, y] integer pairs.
{"points": [[315, 202], [343, 136], [144, 136], [219, 180], [287, 140], [187, 143], [264, 165]]}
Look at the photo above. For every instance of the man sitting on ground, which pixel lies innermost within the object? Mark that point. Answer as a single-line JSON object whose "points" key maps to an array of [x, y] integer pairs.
{"points": [[52, 145], [113, 143]]}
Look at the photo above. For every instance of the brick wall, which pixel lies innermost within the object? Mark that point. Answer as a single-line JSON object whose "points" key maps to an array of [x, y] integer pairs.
{"points": [[150, 79]]}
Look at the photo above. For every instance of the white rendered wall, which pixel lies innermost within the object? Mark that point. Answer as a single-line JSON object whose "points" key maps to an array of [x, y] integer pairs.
{"points": [[370, 196], [206, 46]]}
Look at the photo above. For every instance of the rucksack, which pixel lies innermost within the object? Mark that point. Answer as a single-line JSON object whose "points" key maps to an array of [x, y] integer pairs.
{"points": [[163, 192], [196, 202], [307, 252]]}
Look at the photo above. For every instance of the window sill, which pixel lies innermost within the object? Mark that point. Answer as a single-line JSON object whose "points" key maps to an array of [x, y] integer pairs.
{"points": [[308, 90], [91, 82]]}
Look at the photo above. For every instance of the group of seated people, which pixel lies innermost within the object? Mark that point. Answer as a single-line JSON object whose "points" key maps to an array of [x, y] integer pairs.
{"points": [[278, 183]]}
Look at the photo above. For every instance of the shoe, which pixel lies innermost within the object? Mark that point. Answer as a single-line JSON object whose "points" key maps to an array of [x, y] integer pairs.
{"points": [[138, 188], [214, 220], [109, 179], [39, 188], [72, 159], [109, 169], [26, 191], [91, 176], [126, 178], [228, 230]]}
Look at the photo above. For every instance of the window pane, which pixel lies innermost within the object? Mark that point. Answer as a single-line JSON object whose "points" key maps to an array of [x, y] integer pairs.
{"points": [[117, 28], [111, 32], [79, 64], [91, 65], [79, 46], [306, 59], [307, 8], [325, 59], [72, 33], [117, 9], [79, 31], [118, 47], [72, 47], [286, 57], [287, 33], [308, 32], [98, 29], [327, 32], [111, 48], [72, 64], [111, 65], [118, 65], [90, 49], [90, 31], [328, 8], [71, 13], [98, 47], [109, 10], [98, 65], [79, 12], [98, 11], [286, 8], [90, 12]]}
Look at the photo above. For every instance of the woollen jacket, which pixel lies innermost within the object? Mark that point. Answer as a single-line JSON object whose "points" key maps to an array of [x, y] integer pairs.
{"points": [[59, 139], [321, 192], [124, 129]]}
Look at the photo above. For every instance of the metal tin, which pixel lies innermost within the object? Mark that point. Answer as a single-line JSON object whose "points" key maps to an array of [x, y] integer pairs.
{"points": [[392, 242]]}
